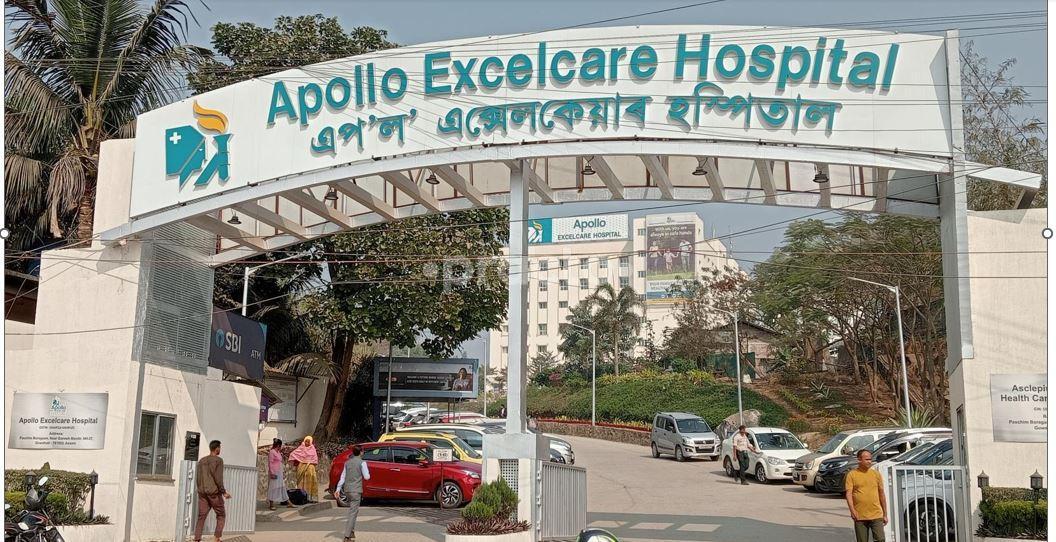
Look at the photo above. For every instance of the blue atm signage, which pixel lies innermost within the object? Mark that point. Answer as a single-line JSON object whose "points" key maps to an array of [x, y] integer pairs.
{"points": [[237, 345]]}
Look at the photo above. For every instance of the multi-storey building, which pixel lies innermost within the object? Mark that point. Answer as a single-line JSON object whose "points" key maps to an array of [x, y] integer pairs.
{"points": [[570, 257]]}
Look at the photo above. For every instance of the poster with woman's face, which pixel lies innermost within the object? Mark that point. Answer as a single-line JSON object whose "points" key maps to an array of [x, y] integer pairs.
{"points": [[426, 378]]}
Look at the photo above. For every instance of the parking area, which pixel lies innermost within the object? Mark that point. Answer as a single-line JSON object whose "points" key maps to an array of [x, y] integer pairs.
{"points": [[630, 493]]}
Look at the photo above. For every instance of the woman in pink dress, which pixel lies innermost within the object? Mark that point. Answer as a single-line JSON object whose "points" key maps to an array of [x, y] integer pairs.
{"points": [[276, 481]]}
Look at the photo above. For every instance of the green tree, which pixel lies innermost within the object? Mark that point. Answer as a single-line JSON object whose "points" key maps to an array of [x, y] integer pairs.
{"points": [[999, 129], [617, 319], [246, 50], [540, 367], [77, 72], [701, 310], [401, 282]]}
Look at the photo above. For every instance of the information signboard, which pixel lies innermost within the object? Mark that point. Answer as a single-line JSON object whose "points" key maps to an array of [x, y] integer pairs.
{"points": [[58, 421], [1019, 405]]}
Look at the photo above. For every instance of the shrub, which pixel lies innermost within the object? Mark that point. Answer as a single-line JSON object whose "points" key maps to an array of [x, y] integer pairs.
{"points": [[683, 365], [998, 494], [66, 500], [798, 425], [1013, 519], [489, 512], [57, 506]]}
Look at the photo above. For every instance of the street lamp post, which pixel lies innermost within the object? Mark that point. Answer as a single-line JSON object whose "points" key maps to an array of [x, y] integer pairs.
{"points": [[249, 270], [901, 344], [593, 372]]}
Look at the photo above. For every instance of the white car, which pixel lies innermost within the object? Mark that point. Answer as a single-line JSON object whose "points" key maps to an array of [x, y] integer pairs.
{"points": [[777, 451]]}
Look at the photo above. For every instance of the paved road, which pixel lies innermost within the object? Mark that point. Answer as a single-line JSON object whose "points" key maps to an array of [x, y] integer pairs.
{"points": [[639, 498]]}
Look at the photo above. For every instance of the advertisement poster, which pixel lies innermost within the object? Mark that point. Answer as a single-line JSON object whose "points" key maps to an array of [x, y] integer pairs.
{"points": [[426, 378], [544, 231], [670, 248], [1019, 406], [58, 421]]}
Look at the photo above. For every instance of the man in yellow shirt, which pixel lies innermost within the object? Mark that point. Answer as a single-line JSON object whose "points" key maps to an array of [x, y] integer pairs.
{"points": [[865, 499]]}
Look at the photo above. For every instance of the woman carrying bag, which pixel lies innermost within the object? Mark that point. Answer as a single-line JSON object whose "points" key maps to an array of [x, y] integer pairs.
{"points": [[306, 458], [276, 480]]}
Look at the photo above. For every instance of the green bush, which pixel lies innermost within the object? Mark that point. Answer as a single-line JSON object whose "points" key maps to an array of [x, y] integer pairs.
{"points": [[1013, 519], [636, 397], [66, 501], [491, 500], [683, 365], [798, 425], [998, 494]]}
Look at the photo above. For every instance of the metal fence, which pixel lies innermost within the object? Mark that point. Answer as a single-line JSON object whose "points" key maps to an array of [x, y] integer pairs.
{"points": [[561, 501], [241, 509], [927, 504]]}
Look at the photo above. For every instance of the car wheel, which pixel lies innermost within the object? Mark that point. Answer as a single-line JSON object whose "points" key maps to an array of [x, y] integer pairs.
{"points": [[449, 495], [678, 454], [656, 451], [812, 489], [760, 474], [930, 522], [728, 466]]}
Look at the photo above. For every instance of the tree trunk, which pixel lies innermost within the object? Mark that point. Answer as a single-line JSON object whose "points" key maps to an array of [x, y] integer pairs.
{"points": [[85, 215], [336, 389], [616, 351]]}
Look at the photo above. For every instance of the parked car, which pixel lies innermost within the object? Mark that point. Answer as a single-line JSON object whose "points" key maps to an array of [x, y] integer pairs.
{"points": [[843, 443], [936, 452], [462, 417], [832, 471], [558, 444], [406, 471], [684, 436], [777, 450], [460, 448]]}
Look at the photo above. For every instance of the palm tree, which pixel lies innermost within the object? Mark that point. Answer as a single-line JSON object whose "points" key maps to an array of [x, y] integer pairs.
{"points": [[77, 74], [616, 315]]}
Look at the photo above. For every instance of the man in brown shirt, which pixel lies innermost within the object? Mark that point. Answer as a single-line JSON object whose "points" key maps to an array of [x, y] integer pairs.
{"points": [[211, 493]]}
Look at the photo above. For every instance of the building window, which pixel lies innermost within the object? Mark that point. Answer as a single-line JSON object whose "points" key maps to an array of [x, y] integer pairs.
{"points": [[603, 263], [542, 329], [156, 433], [641, 232], [625, 261], [562, 304], [641, 297], [542, 286], [544, 349], [583, 285], [641, 253], [544, 265], [624, 282], [505, 328], [562, 263], [584, 263], [563, 284], [641, 274], [286, 390], [542, 305], [603, 280], [505, 352]]}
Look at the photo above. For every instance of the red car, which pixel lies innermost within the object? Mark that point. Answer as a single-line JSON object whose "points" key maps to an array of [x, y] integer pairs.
{"points": [[406, 471]]}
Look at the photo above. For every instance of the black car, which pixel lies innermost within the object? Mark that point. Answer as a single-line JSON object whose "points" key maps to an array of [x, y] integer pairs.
{"points": [[833, 471]]}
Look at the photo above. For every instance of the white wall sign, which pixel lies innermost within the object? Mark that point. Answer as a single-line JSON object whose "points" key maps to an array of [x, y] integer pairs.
{"points": [[1019, 404], [807, 86], [63, 421], [577, 229]]}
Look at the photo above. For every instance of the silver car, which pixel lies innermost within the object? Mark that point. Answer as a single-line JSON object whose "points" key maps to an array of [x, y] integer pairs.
{"points": [[684, 436]]}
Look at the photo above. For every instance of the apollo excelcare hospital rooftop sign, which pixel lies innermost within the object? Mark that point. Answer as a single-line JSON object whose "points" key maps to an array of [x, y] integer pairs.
{"points": [[844, 88]]}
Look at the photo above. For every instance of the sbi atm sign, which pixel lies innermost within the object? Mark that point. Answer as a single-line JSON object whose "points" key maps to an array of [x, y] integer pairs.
{"points": [[577, 229], [238, 345]]}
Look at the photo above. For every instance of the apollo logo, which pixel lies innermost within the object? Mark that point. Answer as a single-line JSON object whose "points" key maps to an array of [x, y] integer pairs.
{"points": [[186, 148], [592, 223]]}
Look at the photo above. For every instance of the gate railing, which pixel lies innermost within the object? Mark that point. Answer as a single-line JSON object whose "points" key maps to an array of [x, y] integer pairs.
{"points": [[561, 500], [240, 509], [927, 504]]}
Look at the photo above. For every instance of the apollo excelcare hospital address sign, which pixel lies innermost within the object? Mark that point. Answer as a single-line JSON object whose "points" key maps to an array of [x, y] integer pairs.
{"points": [[841, 88]]}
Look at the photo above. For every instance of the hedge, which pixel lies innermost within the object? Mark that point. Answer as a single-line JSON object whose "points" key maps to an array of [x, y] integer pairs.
{"points": [[69, 491], [1009, 512], [636, 397]]}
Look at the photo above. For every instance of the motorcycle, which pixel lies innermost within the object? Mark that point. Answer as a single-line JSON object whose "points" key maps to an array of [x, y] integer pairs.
{"points": [[32, 524]]}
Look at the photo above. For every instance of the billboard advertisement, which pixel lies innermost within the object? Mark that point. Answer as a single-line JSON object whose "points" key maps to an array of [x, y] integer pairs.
{"points": [[577, 229], [237, 345], [670, 248], [426, 378]]}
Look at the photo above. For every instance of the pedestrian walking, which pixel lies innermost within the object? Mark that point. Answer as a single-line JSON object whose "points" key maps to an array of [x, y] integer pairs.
{"points": [[865, 499], [276, 478], [351, 486], [306, 458], [502, 412], [209, 478], [741, 445]]}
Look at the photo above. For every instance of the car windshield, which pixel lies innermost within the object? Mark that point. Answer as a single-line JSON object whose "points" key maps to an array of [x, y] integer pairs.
{"points": [[834, 443], [883, 442], [936, 454], [778, 441], [693, 425], [466, 447], [910, 455]]}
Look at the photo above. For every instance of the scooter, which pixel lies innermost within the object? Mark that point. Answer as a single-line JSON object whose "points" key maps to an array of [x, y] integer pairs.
{"points": [[34, 523], [593, 534]]}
